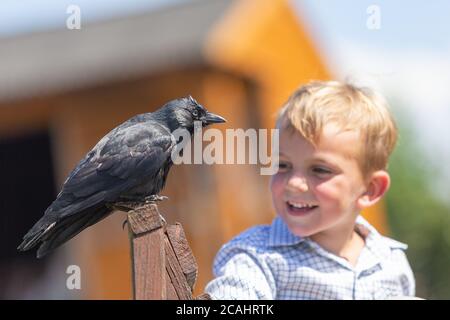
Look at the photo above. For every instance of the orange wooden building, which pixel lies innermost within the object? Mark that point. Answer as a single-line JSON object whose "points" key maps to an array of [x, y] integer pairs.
{"points": [[241, 59]]}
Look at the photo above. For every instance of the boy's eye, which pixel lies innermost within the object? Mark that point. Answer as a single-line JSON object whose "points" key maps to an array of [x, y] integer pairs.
{"points": [[283, 166], [321, 170]]}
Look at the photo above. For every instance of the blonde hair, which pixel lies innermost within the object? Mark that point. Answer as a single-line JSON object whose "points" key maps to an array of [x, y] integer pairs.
{"points": [[318, 103]]}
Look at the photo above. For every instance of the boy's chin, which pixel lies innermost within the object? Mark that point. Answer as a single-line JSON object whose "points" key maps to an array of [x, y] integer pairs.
{"points": [[298, 231]]}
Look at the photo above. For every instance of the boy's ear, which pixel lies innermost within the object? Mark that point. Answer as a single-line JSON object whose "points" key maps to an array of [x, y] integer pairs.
{"points": [[378, 184]]}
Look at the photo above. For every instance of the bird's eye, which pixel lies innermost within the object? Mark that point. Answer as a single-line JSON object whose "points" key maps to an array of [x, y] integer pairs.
{"points": [[195, 113]]}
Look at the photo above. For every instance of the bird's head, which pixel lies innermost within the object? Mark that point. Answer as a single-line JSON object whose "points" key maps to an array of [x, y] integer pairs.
{"points": [[186, 111]]}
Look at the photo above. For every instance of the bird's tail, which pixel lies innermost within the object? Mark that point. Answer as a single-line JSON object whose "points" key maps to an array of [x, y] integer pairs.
{"points": [[53, 233], [35, 234]]}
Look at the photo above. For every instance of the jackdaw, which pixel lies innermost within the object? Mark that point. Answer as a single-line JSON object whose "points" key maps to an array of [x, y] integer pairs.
{"points": [[130, 163]]}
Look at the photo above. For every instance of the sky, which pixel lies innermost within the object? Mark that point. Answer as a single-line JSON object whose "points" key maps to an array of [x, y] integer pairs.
{"points": [[24, 16], [407, 58]]}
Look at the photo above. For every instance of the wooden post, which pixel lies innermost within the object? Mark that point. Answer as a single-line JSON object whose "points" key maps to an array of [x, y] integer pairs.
{"points": [[163, 266]]}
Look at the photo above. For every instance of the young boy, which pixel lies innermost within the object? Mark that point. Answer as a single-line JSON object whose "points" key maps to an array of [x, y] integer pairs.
{"points": [[335, 140]]}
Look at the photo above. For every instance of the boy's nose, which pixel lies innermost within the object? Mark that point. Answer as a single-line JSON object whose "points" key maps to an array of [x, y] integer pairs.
{"points": [[296, 183]]}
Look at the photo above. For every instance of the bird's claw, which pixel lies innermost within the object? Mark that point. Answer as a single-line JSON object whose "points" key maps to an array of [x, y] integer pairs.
{"points": [[132, 204], [154, 198], [163, 220], [124, 224]]}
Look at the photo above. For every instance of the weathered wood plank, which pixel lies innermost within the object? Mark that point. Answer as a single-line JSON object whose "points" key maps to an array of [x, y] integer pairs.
{"points": [[175, 273], [183, 253], [203, 296], [147, 252], [149, 266], [144, 218], [163, 266], [170, 289]]}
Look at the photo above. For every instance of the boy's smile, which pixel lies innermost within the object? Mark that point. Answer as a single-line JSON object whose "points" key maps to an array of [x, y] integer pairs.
{"points": [[316, 189], [299, 208]]}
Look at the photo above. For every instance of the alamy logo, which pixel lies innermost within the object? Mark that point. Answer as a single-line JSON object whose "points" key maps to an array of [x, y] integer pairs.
{"points": [[238, 146], [374, 19], [73, 281], [73, 22]]}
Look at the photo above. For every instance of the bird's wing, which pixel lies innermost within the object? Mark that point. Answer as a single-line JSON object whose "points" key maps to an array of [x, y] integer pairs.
{"points": [[120, 161]]}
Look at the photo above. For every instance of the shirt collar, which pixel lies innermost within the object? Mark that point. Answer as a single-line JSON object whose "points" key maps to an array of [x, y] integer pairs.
{"points": [[280, 235], [377, 248], [379, 245]]}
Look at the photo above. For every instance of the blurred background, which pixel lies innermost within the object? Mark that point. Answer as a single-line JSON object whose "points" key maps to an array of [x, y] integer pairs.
{"points": [[69, 74]]}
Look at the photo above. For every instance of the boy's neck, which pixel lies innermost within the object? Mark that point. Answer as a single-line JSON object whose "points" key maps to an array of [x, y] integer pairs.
{"points": [[345, 243]]}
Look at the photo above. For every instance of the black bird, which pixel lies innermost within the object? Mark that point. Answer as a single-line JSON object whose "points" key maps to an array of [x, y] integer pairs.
{"points": [[130, 163]]}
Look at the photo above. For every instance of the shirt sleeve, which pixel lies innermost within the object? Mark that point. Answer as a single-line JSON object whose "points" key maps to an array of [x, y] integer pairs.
{"points": [[240, 275], [407, 279], [400, 260]]}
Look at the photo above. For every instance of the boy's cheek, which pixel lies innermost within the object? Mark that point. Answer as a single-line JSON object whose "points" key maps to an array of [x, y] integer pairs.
{"points": [[328, 191], [276, 190], [276, 185]]}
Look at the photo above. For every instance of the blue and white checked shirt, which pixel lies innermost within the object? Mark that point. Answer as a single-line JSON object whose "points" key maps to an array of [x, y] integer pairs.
{"points": [[269, 262]]}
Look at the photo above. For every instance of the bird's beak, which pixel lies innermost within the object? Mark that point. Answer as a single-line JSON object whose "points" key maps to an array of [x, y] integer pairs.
{"points": [[212, 118]]}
